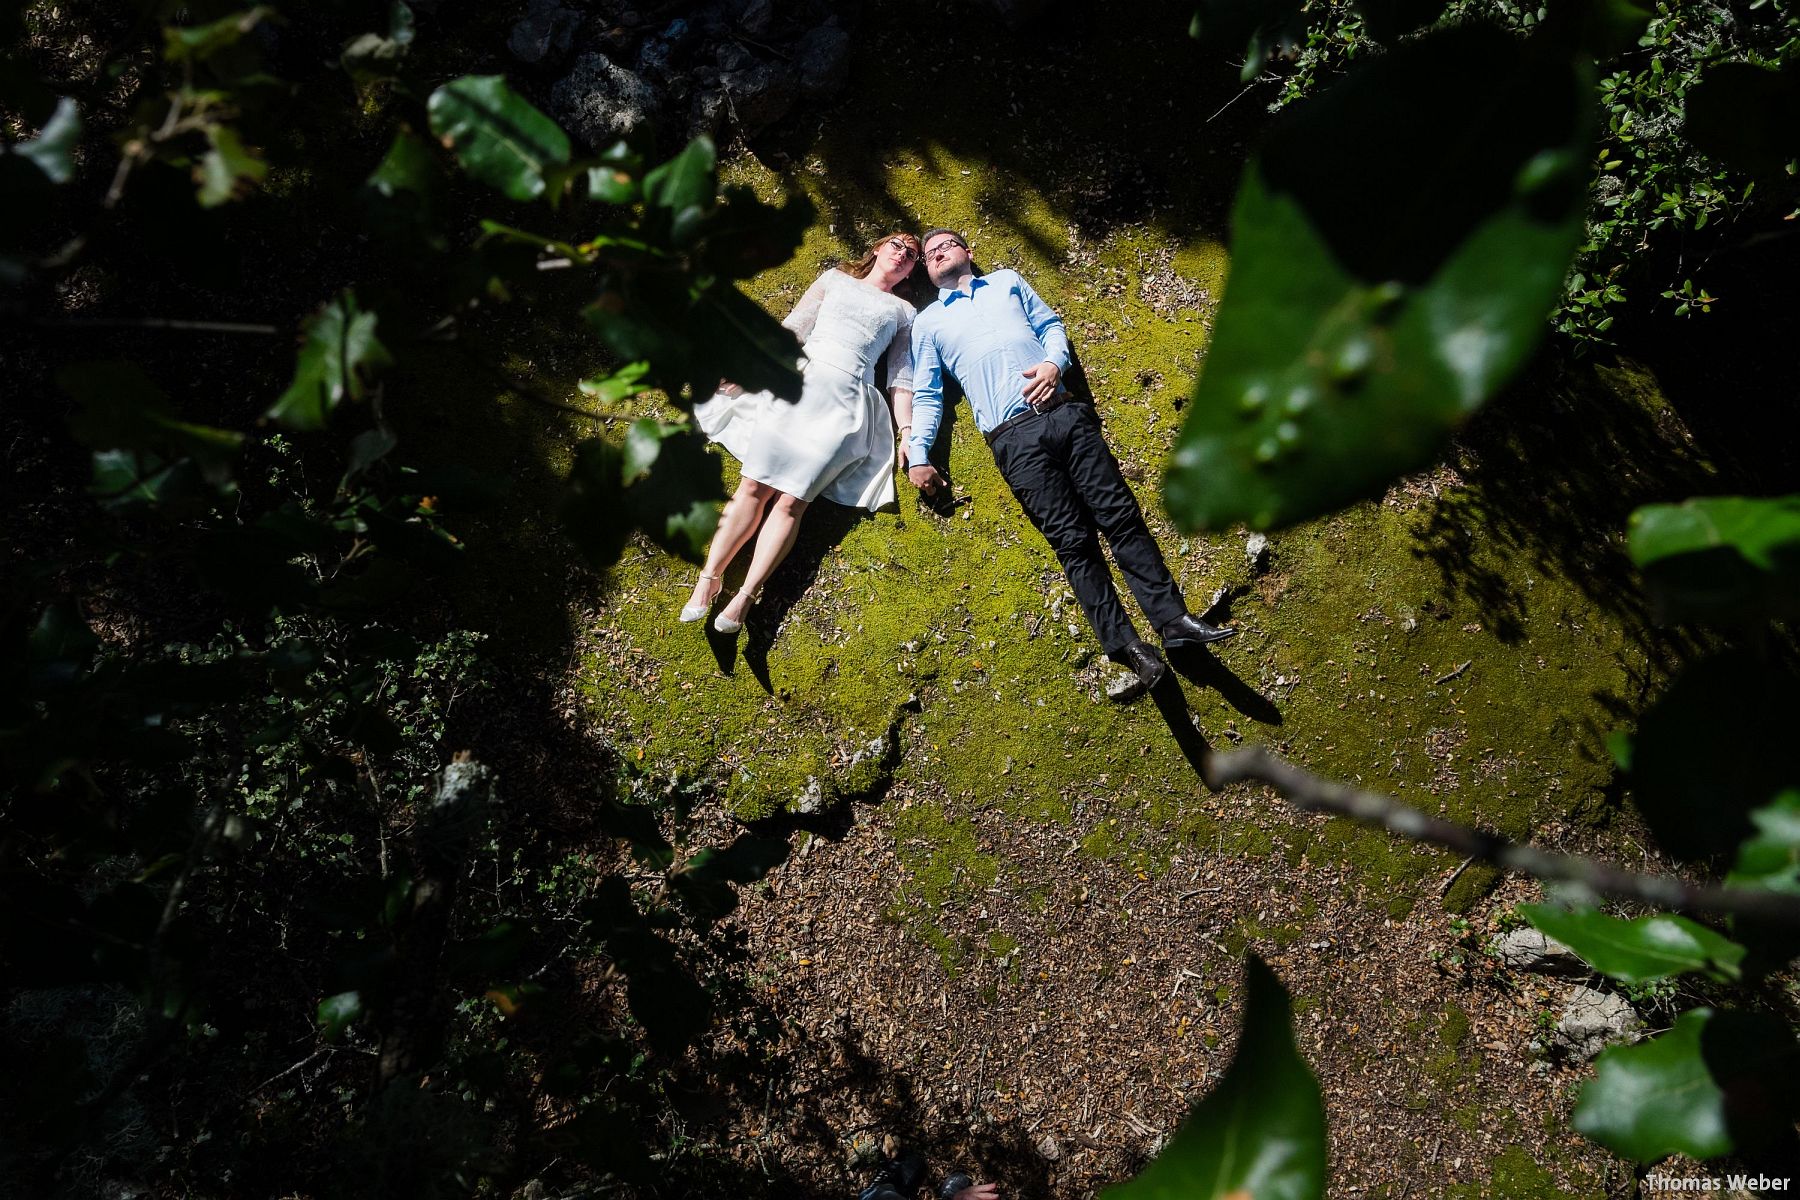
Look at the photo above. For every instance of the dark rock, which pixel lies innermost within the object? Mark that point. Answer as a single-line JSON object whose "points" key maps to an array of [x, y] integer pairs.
{"points": [[732, 57], [757, 97], [753, 16], [822, 61], [546, 33], [600, 101]]}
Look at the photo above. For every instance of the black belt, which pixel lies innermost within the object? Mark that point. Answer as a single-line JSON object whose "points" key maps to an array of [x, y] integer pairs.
{"points": [[1055, 402]]}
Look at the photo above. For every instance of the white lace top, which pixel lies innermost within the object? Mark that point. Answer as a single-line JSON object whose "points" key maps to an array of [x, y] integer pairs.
{"points": [[849, 322]]}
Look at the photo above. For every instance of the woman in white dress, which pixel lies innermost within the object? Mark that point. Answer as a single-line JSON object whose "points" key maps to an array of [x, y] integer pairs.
{"points": [[836, 440]]}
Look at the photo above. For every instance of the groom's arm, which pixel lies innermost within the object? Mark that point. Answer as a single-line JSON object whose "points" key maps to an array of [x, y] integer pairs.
{"points": [[927, 408]]}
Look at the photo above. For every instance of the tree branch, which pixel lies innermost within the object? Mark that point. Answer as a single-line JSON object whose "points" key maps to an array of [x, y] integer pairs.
{"points": [[1314, 793]]}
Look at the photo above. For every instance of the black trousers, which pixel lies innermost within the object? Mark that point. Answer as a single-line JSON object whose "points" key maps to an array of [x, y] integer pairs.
{"points": [[1065, 476]]}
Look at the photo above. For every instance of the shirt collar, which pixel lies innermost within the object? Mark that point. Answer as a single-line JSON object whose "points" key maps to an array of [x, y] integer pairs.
{"points": [[947, 295]]}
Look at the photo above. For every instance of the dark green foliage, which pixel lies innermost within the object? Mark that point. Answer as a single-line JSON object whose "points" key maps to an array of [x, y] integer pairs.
{"points": [[1717, 1082], [1747, 116], [230, 812], [1639, 950], [1721, 558], [1365, 322], [496, 136], [1261, 1131], [1698, 804]]}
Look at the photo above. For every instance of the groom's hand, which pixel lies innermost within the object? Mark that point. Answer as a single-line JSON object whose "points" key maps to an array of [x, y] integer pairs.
{"points": [[1040, 382], [925, 477]]}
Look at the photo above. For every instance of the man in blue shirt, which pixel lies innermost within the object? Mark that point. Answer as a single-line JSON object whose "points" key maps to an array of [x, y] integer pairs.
{"points": [[1007, 348]]}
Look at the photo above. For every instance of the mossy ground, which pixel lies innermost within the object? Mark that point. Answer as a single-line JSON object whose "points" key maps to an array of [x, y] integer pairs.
{"points": [[1465, 643], [1365, 653]]}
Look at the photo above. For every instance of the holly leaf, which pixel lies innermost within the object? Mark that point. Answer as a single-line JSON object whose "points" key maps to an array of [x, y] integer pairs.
{"points": [[1771, 858], [1721, 558], [1362, 323], [53, 149], [228, 169], [1689, 779], [1261, 1132], [496, 135], [1641, 949], [339, 354], [337, 1013], [1716, 1083], [689, 180]]}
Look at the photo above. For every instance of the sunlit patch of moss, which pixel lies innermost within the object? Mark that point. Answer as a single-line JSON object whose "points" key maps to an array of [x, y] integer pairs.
{"points": [[941, 857], [1515, 1175]]}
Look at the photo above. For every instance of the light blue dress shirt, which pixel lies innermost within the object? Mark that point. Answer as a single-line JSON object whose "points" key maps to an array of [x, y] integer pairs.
{"points": [[986, 338]]}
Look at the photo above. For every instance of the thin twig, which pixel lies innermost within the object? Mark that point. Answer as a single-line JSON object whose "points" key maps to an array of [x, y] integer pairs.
{"points": [[280, 1075], [154, 323], [1315, 794], [1234, 99], [1441, 679]]}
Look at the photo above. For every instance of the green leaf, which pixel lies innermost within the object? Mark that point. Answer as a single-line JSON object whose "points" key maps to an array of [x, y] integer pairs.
{"points": [[195, 43], [1693, 776], [121, 408], [1746, 116], [1397, 243], [1642, 949], [498, 138], [228, 169], [689, 180], [744, 236], [340, 352], [53, 149], [1716, 1083], [337, 1013], [1261, 1133], [705, 880], [1771, 859], [403, 189], [626, 382], [750, 347], [1721, 558], [662, 481], [374, 56]]}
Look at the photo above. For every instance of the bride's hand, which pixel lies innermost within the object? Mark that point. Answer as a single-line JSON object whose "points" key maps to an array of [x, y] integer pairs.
{"points": [[728, 388]]}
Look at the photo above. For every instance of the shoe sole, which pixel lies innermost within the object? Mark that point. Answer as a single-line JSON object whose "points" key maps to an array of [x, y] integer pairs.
{"points": [[1177, 643]]}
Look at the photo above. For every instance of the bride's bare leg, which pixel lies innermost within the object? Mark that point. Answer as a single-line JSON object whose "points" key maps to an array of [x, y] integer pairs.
{"points": [[779, 529], [736, 524]]}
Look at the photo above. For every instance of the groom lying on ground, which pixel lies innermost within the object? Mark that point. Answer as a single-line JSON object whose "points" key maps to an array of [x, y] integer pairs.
{"points": [[997, 337]]}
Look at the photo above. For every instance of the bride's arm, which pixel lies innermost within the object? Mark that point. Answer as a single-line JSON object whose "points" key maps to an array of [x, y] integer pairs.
{"points": [[900, 400], [900, 371], [806, 313]]}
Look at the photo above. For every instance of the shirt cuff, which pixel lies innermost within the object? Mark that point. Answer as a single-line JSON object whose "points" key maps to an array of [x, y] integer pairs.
{"points": [[916, 452]]}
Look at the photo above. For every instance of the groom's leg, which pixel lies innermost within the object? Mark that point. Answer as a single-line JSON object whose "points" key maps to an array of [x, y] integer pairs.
{"points": [[1102, 487], [1045, 494]]}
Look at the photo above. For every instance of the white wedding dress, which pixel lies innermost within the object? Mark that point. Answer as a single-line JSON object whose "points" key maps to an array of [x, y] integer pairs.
{"points": [[837, 439]]}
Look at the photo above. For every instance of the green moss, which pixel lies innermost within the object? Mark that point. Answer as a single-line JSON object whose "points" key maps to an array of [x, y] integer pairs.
{"points": [[1515, 1176]]}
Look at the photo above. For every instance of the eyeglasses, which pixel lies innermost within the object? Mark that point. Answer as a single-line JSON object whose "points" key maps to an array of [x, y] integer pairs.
{"points": [[943, 247], [905, 247]]}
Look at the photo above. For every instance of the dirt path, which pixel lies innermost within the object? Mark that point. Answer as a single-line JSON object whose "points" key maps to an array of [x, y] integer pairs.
{"points": [[1060, 1064]]}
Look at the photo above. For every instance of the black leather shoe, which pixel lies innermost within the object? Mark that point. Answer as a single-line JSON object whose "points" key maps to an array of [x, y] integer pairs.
{"points": [[1143, 661], [898, 1177], [1189, 630], [955, 1182]]}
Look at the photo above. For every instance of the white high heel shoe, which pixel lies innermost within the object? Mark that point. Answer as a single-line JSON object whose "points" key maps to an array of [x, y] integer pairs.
{"points": [[725, 624], [696, 611]]}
